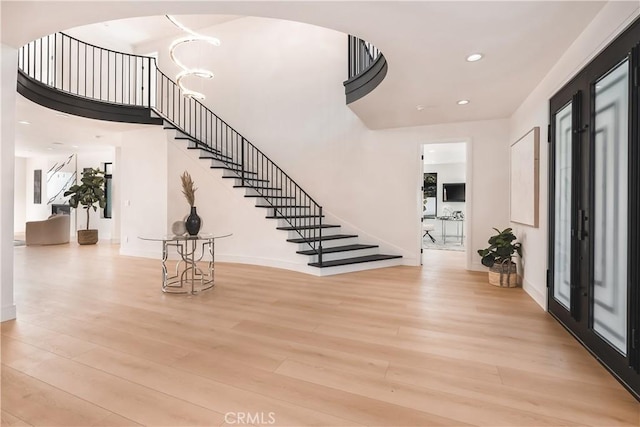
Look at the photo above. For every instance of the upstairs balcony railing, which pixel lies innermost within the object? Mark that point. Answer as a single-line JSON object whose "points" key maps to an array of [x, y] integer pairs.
{"points": [[367, 67], [361, 55], [82, 69], [91, 72]]}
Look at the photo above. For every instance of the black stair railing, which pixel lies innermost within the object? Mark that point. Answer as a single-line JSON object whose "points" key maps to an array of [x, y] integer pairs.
{"points": [[82, 69], [361, 55]]}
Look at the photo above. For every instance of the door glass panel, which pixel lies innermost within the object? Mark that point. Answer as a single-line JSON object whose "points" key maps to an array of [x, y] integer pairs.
{"points": [[611, 207], [562, 238]]}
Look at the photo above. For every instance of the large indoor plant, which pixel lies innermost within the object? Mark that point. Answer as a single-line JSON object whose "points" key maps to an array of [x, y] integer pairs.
{"points": [[88, 194], [499, 258]]}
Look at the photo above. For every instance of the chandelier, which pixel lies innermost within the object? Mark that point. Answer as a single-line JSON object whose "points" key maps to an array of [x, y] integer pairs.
{"points": [[186, 71]]}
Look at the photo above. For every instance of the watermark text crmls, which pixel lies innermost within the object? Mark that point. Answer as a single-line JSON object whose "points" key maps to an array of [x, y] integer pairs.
{"points": [[239, 418]]}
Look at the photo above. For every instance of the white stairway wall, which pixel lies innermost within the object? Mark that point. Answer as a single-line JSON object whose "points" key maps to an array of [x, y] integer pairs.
{"points": [[224, 210]]}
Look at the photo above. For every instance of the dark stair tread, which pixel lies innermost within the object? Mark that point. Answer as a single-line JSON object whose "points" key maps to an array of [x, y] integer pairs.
{"points": [[225, 161], [239, 171], [306, 227], [257, 188], [337, 249], [356, 260], [170, 127], [284, 206], [293, 216], [246, 179], [220, 158], [209, 150], [185, 136], [265, 196], [323, 238]]}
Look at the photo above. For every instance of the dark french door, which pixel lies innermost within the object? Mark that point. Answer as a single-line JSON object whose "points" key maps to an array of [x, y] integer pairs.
{"points": [[594, 209]]}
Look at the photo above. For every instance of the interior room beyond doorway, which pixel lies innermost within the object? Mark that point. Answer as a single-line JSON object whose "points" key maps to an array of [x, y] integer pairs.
{"points": [[444, 196]]}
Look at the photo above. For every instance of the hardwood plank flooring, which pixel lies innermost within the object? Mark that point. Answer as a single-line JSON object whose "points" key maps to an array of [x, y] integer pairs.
{"points": [[96, 343]]}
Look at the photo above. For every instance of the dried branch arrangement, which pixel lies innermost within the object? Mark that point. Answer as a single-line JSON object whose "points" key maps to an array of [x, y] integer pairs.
{"points": [[188, 188]]}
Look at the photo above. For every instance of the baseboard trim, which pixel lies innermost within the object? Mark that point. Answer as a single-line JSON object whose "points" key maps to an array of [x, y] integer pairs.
{"points": [[8, 312], [535, 294], [269, 262], [476, 266]]}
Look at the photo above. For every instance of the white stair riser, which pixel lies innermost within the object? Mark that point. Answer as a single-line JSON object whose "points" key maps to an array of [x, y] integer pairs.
{"points": [[329, 243], [347, 254], [286, 212], [310, 233], [238, 181], [252, 192], [298, 222]]}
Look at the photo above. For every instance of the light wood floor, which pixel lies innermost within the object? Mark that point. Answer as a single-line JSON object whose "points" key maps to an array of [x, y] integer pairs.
{"points": [[97, 344]]}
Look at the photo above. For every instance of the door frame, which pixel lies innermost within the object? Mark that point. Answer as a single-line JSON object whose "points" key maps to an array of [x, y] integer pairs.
{"points": [[579, 320], [468, 223]]}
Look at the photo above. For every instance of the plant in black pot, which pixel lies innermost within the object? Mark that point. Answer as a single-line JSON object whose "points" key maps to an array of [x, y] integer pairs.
{"points": [[498, 257], [88, 194]]}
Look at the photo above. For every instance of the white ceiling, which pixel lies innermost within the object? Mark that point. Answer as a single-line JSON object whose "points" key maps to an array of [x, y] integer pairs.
{"points": [[426, 56], [425, 44], [135, 31], [53, 133]]}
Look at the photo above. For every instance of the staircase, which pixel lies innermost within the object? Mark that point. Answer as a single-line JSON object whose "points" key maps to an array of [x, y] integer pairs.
{"points": [[145, 87], [324, 244]]}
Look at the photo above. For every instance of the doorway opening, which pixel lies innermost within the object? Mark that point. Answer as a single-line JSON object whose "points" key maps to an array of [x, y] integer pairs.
{"points": [[444, 196]]}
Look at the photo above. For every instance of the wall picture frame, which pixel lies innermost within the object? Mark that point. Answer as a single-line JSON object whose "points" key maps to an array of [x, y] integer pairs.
{"points": [[524, 179]]}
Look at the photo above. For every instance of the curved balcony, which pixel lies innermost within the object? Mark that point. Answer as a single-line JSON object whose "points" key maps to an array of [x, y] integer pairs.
{"points": [[367, 68], [68, 75]]}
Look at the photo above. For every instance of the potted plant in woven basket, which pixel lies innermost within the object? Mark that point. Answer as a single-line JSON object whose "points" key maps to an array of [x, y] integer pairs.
{"points": [[89, 193], [498, 257]]}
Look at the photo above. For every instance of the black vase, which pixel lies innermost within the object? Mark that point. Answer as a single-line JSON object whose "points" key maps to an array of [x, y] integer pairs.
{"points": [[193, 222]]}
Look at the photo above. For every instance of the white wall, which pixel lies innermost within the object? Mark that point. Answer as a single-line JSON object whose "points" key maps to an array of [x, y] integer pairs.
{"points": [[9, 74], [143, 191], [20, 195], [448, 173], [534, 111], [369, 180]]}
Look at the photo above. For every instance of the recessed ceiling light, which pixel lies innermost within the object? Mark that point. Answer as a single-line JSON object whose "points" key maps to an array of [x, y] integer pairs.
{"points": [[463, 102], [24, 122], [74, 146], [432, 151], [62, 115], [419, 107], [474, 57], [58, 143], [50, 148]]}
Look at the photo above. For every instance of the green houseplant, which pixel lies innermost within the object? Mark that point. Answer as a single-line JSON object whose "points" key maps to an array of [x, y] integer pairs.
{"points": [[499, 258], [88, 194]]}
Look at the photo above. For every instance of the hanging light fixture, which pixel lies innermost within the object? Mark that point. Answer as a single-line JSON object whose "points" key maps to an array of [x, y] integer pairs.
{"points": [[186, 71]]}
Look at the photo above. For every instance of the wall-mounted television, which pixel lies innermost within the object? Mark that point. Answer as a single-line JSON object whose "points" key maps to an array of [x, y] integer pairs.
{"points": [[453, 192]]}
